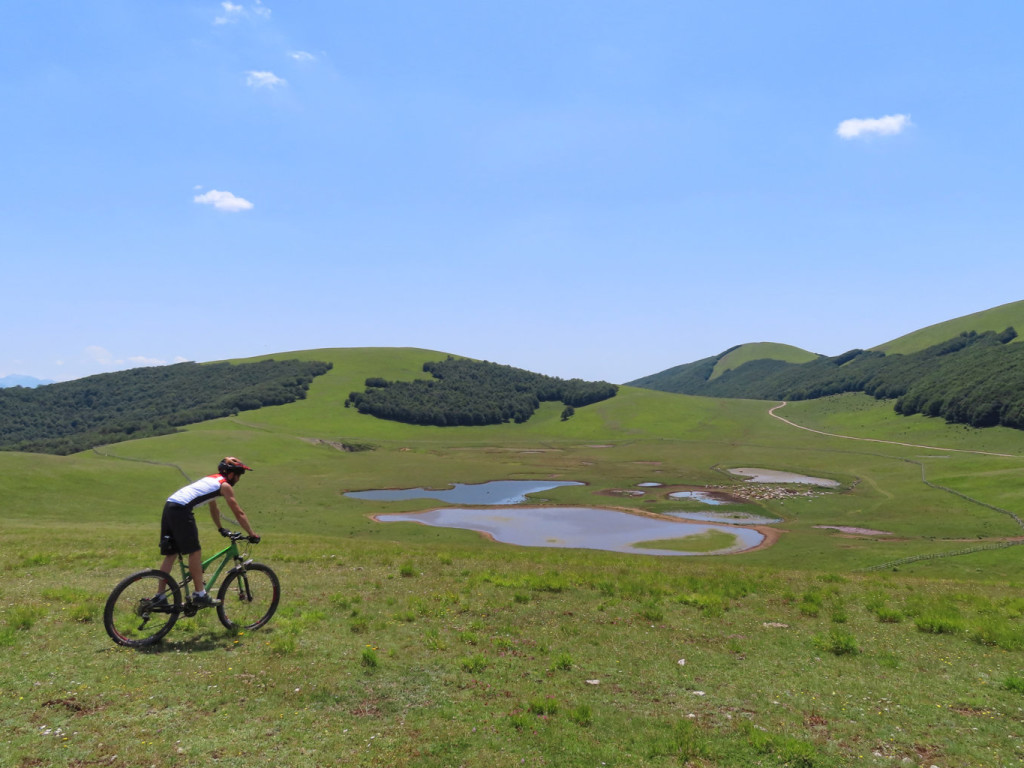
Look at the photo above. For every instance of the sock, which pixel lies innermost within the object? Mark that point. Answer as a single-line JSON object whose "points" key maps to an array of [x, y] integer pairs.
{"points": [[200, 594]]}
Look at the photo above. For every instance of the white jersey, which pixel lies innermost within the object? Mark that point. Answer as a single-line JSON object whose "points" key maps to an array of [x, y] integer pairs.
{"points": [[198, 493]]}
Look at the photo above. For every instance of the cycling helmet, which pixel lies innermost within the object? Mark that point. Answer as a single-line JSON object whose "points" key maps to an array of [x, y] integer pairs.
{"points": [[231, 464]]}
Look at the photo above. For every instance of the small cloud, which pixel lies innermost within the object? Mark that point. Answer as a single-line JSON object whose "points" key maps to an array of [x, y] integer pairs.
{"points": [[223, 201], [99, 355], [264, 79], [261, 10], [881, 126], [302, 56], [232, 13]]}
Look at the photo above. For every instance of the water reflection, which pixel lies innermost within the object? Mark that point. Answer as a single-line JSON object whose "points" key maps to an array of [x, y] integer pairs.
{"points": [[702, 496], [494, 492], [742, 518], [576, 528]]}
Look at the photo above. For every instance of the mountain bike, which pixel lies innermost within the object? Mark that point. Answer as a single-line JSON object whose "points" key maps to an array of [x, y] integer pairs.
{"points": [[144, 606]]}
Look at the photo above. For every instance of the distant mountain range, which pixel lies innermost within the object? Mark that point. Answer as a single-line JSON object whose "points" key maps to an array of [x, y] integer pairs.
{"points": [[969, 370], [15, 380]]}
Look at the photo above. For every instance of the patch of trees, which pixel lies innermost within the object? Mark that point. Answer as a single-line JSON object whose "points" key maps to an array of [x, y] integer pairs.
{"points": [[473, 393], [975, 379], [76, 415]]}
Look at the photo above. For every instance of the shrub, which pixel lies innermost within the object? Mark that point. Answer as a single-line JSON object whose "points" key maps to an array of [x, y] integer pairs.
{"points": [[996, 631], [838, 642], [651, 611], [1014, 683], [474, 664], [888, 615], [543, 706], [940, 622], [581, 715]]}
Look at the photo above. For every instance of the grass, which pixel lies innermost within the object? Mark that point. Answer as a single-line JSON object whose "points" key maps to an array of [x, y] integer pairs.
{"points": [[478, 676], [708, 541], [403, 645]]}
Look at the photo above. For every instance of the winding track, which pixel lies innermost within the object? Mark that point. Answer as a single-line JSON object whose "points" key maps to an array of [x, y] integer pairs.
{"points": [[924, 479], [772, 412]]}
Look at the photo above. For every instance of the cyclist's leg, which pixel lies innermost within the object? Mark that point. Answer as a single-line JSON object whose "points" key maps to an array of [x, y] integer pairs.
{"points": [[195, 567], [180, 523]]}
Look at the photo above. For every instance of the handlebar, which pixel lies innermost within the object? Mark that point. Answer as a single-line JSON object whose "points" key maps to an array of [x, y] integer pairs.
{"points": [[237, 536]]}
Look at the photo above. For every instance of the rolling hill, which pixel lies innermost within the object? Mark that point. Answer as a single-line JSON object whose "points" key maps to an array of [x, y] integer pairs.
{"points": [[995, 319], [974, 376], [408, 645]]}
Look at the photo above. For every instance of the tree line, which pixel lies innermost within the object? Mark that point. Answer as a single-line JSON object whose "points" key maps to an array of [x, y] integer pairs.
{"points": [[76, 415], [465, 392], [974, 378]]}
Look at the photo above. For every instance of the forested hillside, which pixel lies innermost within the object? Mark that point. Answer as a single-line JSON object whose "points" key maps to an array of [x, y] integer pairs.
{"points": [[75, 415], [975, 378], [472, 393]]}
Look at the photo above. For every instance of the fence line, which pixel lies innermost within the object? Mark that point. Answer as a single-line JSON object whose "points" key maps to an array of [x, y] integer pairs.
{"points": [[966, 551]]}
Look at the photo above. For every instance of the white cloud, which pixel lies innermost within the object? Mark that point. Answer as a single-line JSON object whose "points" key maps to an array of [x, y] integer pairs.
{"points": [[301, 55], [264, 79], [881, 126], [223, 201], [99, 355], [232, 13]]}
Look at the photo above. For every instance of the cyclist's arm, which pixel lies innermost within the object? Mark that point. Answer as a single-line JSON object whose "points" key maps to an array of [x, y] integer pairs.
{"points": [[228, 494]]}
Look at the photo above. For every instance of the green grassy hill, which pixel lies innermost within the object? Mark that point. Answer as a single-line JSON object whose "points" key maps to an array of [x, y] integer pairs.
{"points": [[995, 319], [402, 645], [764, 350]]}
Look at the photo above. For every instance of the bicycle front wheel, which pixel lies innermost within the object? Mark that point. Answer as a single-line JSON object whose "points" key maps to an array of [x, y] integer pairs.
{"points": [[248, 597], [133, 617]]}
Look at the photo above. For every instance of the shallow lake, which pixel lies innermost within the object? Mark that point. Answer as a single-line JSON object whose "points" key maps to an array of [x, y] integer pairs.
{"points": [[576, 528], [702, 496], [494, 492], [740, 518], [774, 476]]}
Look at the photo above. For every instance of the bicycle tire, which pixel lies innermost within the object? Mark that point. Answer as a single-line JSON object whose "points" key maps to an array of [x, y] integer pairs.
{"points": [[248, 597], [130, 603]]}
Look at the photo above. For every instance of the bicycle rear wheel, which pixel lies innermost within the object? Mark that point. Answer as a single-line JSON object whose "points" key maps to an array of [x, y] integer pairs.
{"points": [[133, 618], [248, 597]]}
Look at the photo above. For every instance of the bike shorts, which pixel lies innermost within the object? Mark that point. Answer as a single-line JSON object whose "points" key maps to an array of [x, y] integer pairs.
{"points": [[178, 530]]}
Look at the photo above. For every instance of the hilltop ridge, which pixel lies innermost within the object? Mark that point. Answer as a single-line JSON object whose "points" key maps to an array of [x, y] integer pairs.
{"points": [[974, 375]]}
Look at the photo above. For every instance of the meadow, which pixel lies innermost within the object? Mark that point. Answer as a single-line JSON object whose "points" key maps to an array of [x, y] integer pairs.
{"points": [[403, 645]]}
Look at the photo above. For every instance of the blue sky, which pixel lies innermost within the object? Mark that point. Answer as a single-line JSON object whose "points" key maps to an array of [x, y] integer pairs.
{"points": [[579, 188]]}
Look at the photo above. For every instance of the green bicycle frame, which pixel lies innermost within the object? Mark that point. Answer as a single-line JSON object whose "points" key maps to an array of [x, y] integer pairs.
{"points": [[226, 555]]}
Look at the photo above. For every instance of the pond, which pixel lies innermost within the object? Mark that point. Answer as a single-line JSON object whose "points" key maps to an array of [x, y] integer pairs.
{"points": [[775, 476], [495, 492], [702, 496], [582, 528], [742, 518]]}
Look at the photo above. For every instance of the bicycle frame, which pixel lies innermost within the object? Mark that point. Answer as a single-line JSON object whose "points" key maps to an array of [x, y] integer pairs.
{"points": [[226, 555]]}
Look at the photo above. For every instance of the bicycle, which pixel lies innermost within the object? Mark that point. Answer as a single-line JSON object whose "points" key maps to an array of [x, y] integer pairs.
{"points": [[139, 613]]}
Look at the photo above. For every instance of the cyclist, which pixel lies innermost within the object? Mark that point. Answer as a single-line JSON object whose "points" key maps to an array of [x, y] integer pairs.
{"points": [[178, 530]]}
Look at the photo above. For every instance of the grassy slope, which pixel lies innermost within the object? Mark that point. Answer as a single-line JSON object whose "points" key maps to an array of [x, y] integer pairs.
{"points": [[481, 634], [995, 319], [761, 351]]}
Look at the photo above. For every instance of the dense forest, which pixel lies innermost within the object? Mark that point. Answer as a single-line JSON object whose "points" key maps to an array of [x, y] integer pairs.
{"points": [[975, 379], [472, 393], [76, 415]]}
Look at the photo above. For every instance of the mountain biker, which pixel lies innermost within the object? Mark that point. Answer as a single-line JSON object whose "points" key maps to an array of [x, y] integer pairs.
{"points": [[179, 532]]}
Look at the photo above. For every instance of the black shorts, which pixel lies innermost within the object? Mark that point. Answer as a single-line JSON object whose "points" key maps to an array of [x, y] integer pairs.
{"points": [[178, 530]]}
